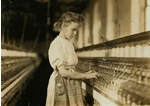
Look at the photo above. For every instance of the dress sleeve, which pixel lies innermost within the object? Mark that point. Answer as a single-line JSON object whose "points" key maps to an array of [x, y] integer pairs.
{"points": [[55, 55]]}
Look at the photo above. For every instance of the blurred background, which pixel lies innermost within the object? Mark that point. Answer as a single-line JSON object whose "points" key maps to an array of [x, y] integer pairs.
{"points": [[28, 24]]}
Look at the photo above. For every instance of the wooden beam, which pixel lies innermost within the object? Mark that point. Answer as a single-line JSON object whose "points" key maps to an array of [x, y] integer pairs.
{"points": [[23, 32]]}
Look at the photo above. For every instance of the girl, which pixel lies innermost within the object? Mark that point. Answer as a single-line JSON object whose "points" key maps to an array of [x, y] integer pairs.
{"points": [[64, 88]]}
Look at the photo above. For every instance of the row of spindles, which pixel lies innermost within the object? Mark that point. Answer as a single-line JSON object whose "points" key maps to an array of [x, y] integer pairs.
{"points": [[124, 82]]}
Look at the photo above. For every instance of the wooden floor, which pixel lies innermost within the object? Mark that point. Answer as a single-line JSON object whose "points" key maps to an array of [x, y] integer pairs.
{"points": [[35, 92]]}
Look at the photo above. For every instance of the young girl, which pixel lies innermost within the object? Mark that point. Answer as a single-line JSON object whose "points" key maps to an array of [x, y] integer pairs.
{"points": [[64, 88]]}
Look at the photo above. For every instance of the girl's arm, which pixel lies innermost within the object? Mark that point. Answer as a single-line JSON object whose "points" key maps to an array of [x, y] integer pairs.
{"points": [[76, 75]]}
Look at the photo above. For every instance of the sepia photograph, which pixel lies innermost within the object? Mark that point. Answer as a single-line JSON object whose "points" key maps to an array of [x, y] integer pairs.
{"points": [[75, 52]]}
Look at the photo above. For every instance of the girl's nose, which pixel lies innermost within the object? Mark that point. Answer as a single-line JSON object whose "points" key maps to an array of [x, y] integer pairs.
{"points": [[74, 32]]}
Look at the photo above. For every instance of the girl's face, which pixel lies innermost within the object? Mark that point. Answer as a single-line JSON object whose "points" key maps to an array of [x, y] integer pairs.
{"points": [[71, 30]]}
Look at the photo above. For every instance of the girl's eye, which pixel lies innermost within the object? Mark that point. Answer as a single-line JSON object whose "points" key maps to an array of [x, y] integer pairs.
{"points": [[74, 29]]}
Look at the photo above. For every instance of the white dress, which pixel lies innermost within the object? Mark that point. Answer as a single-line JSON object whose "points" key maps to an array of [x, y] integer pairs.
{"points": [[61, 52]]}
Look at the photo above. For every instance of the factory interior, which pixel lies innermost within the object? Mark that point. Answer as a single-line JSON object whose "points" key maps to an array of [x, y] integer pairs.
{"points": [[114, 40]]}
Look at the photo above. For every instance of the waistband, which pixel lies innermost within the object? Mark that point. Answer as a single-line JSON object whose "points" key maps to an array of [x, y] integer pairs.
{"points": [[69, 67]]}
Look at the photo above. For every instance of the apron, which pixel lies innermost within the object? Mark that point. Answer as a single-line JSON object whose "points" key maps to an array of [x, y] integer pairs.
{"points": [[64, 91]]}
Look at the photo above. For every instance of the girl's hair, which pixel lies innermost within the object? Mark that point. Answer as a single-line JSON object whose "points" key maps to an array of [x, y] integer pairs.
{"points": [[67, 17]]}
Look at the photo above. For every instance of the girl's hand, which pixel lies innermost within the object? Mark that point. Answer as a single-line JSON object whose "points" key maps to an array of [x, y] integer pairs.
{"points": [[91, 74]]}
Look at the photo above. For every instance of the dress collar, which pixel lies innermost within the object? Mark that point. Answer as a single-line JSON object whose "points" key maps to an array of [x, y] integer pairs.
{"points": [[62, 39]]}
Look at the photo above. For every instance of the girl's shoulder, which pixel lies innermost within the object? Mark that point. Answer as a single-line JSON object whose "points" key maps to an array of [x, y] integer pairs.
{"points": [[55, 42]]}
